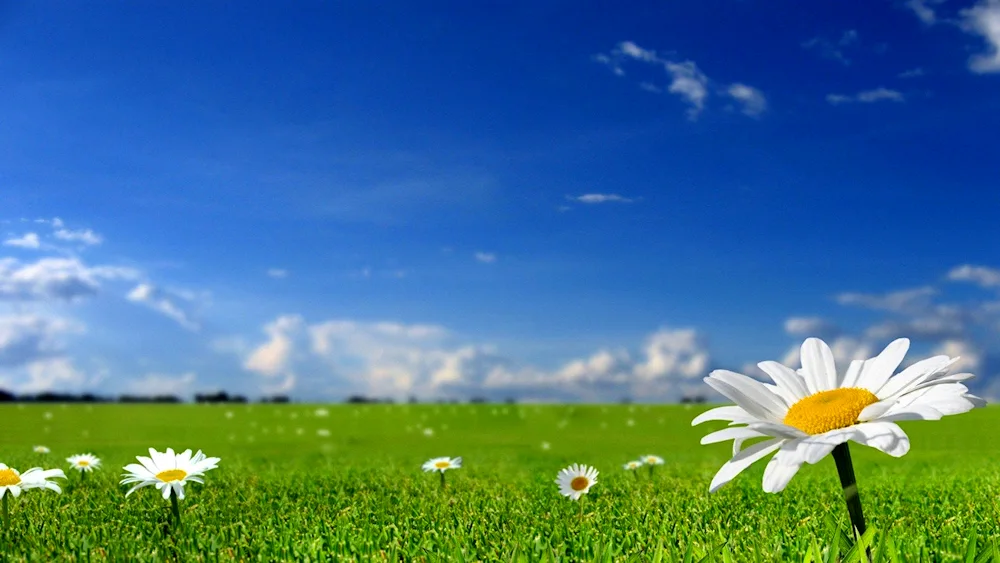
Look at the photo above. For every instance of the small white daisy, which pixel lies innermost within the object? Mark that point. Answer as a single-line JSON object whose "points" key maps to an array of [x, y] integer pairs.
{"points": [[652, 460], [546, 445], [35, 478], [168, 471], [41, 450], [321, 412], [323, 433], [632, 465], [576, 480], [428, 432], [442, 464], [84, 462]]}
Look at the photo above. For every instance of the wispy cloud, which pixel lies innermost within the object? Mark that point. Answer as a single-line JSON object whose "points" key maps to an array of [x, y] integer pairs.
{"points": [[912, 73], [983, 19], [85, 236], [752, 100], [980, 275], [866, 97], [923, 10], [277, 273], [29, 240], [600, 198], [486, 257], [687, 81], [833, 50], [165, 302]]}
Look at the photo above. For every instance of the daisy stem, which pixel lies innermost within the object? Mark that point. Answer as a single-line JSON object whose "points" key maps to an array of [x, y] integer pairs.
{"points": [[442, 479], [6, 513], [581, 508], [842, 456], [175, 509]]}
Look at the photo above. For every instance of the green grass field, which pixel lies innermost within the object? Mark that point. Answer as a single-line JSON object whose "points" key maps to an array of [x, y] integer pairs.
{"points": [[284, 493]]}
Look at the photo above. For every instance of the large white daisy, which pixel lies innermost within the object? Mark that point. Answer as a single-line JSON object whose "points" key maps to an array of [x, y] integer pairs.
{"points": [[808, 412], [576, 480], [35, 478], [168, 471]]}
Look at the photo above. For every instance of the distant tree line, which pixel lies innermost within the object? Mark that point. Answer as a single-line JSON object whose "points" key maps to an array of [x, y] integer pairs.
{"points": [[52, 397]]}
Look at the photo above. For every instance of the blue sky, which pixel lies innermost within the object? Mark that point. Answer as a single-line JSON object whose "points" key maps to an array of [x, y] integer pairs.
{"points": [[539, 200]]}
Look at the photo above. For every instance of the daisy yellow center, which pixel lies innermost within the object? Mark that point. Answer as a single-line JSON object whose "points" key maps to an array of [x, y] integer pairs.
{"points": [[442, 464], [171, 475], [579, 483], [8, 478], [83, 463], [829, 410]]}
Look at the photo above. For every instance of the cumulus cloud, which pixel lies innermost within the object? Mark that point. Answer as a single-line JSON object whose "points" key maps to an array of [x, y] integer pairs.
{"points": [[162, 384], [979, 275], [27, 338], [866, 97], [751, 99], [273, 359], [983, 20], [60, 279], [923, 10], [600, 198], [810, 326], [28, 240], [164, 302], [486, 257], [85, 236], [277, 273]]}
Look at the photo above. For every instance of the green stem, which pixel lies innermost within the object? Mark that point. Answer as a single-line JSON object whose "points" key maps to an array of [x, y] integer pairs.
{"points": [[635, 474], [651, 471], [842, 457], [442, 479], [83, 476], [175, 508], [6, 513], [581, 508]]}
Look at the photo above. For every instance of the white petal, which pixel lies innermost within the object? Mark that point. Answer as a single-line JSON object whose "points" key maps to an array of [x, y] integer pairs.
{"points": [[875, 410], [818, 367], [920, 412], [814, 448], [741, 461], [884, 436], [748, 393], [730, 434], [786, 378], [779, 472], [729, 412], [875, 374], [778, 430], [852, 373], [911, 376]]}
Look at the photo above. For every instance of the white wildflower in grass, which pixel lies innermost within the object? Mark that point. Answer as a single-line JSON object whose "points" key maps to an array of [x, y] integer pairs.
{"points": [[546, 445], [428, 432], [575, 481], [47, 415], [84, 463], [323, 433], [807, 414], [630, 422], [652, 461], [40, 450], [12, 481], [321, 412], [632, 466], [442, 464], [168, 472]]}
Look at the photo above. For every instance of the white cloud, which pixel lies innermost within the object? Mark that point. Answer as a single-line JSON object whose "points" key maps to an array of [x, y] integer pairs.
{"points": [[916, 299], [809, 326], [912, 73], [26, 338], [29, 240], [923, 10], [828, 50], [866, 97], [919, 328], [64, 279], [983, 19], [162, 384], [845, 350], [689, 83], [486, 257], [273, 359], [980, 275], [277, 273], [46, 374], [610, 63], [649, 87], [164, 302], [86, 236], [971, 356], [753, 101], [600, 198]]}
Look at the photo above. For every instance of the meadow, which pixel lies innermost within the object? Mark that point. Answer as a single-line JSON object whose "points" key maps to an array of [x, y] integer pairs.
{"points": [[331, 483]]}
